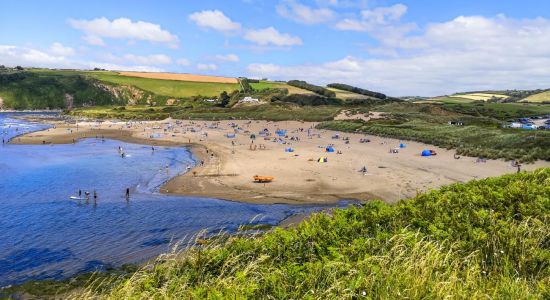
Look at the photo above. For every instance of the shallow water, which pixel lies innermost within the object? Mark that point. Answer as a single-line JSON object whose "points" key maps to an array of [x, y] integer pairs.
{"points": [[46, 235]]}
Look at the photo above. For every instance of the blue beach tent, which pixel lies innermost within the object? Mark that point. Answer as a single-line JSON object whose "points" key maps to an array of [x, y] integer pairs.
{"points": [[329, 149], [426, 153]]}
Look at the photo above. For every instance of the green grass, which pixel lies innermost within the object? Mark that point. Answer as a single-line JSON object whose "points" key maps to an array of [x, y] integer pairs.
{"points": [[481, 137], [272, 112], [168, 88], [262, 85], [500, 111], [538, 98], [486, 239]]}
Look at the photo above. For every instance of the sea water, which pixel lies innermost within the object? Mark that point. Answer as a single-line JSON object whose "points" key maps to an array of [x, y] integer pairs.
{"points": [[46, 235]]}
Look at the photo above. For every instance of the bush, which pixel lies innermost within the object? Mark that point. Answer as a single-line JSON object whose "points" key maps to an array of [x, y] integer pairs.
{"points": [[356, 90], [311, 100], [483, 239], [313, 88]]}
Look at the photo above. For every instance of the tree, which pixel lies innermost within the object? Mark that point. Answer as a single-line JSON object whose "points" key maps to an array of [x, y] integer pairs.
{"points": [[246, 87], [19, 68], [224, 99]]}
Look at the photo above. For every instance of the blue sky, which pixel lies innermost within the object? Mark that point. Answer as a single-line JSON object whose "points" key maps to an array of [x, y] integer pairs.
{"points": [[398, 47]]}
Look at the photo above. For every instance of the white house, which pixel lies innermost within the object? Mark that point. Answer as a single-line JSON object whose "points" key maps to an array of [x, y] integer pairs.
{"points": [[249, 100]]}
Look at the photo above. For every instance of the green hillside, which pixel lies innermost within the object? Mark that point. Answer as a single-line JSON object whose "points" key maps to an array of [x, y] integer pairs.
{"points": [[485, 239], [538, 98], [39, 90], [168, 88]]}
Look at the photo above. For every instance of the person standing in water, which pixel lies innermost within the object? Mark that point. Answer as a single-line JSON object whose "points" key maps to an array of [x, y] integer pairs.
{"points": [[127, 193]]}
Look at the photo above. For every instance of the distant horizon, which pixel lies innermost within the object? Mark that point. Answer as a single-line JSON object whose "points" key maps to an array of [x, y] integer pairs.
{"points": [[399, 48]]}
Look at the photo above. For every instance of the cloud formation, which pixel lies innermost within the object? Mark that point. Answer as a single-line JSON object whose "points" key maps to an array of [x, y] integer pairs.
{"points": [[122, 28], [227, 58], [300, 13], [214, 19], [206, 67], [466, 53], [271, 36]]}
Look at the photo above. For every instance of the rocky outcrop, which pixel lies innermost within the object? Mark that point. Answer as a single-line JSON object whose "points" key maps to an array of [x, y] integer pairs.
{"points": [[126, 93], [69, 101]]}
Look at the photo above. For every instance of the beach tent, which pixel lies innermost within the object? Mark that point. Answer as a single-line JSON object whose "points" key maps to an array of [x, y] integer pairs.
{"points": [[280, 132], [426, 153], [402, 146], [329, 149], [230, 135], [289, 150]]}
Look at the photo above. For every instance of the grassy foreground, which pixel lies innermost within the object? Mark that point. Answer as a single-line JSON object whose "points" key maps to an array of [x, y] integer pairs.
{"points": [[481, 240]]}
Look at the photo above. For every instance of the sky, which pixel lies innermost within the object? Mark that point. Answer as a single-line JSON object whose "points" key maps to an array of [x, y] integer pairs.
{"points": [[401, 48]]}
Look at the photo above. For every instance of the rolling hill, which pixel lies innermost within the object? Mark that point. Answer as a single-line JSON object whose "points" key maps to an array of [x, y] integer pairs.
{"points": [[538, 98]]}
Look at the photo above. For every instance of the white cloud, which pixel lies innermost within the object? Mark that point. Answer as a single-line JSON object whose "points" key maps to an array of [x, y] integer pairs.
{"points": [[155, 59], [14, 55], [207, 67], [117, 67], [228, 58], [464, 54], [300, 13], [183, 62], [383, 23], [28, 57], [60, 50], [214, 19], [93, 40], [123, 28], [270, 36]]}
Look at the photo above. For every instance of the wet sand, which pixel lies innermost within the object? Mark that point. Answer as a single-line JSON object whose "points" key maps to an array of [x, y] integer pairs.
{"points": [[230, 163]]}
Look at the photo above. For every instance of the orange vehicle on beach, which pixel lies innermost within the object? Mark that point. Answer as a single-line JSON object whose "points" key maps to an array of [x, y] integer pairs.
{"points": [[263, 179]]}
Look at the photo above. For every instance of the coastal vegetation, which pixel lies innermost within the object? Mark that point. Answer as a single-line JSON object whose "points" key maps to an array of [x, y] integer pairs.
{"points": [[271, 112], [103, 94], [349, 88], [478, 240], [481, 135], [29, 90], [313, 88]]}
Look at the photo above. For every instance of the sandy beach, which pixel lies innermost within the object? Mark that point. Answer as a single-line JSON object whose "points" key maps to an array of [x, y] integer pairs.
{"points": [[228, 158]]}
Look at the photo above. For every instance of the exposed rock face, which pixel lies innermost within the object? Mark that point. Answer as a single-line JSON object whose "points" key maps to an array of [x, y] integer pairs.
{"points": [[129, 94], [172, 101], [69, 101]]}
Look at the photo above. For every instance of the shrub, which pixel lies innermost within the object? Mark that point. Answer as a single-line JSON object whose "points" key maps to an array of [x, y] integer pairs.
{"points": [[310, 87]]}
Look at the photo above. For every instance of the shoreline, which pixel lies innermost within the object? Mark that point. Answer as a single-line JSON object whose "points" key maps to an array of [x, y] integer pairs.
{"points": [[229, 163]]}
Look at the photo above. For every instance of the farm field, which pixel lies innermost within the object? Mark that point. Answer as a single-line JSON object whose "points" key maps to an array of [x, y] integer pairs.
{"points": [[537, 98], [347, 95], [480, 96], [181, 77], [262, 85], [170, 88]]}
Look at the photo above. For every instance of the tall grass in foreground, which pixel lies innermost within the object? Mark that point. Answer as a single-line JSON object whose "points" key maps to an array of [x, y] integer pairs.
{"points": [[487, 239]]}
